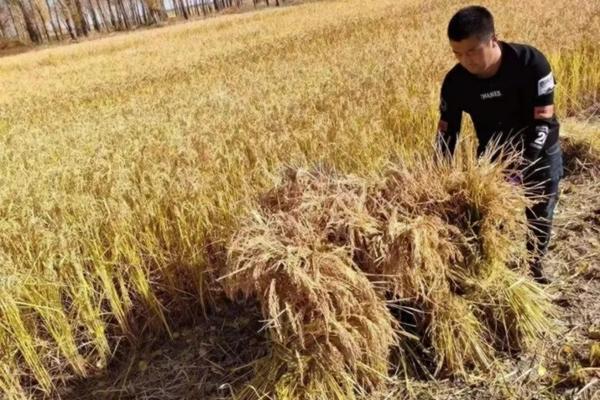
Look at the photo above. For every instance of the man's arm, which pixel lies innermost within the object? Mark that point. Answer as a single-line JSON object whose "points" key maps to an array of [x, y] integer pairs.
{"points": [[450, 120], [544, 128]]}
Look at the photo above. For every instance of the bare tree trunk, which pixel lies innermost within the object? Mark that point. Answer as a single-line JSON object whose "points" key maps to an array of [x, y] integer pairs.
{"points": [[158, 6], [157, 10], [135, 8], [125, 18], [114, 20], [60, 26], [2, 30], [95, 20], [145, 13], [12, 18], [77, 16], [54, 21], [148, 13], [2, 27], [120, 16], [61, 33], [183, 10], [163, 11], [82, 16], [44, 24], [186, 15], [132, 11], [68, 17], [30, 25], [103, 20], [139, 9]]}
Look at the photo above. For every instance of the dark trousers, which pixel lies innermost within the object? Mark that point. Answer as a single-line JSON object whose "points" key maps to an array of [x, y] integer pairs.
{"points": [[544, 176]]}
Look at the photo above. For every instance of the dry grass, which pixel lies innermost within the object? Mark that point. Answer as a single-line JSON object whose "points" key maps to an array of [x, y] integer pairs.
{"points": [[120, 159]]}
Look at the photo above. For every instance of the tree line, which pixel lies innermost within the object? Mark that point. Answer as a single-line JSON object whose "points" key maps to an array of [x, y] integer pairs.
{"points": [[42, 21]]}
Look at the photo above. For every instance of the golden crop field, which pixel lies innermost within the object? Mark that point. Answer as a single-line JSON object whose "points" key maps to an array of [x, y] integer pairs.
{"points": [[123, 160]]}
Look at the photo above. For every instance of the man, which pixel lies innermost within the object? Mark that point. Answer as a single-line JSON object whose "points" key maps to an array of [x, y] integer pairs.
{"points": [[508, 91]]}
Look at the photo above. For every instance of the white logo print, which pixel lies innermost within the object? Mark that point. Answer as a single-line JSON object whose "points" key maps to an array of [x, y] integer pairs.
{"points": [[491, 95], [541, 135], [545, 85]]}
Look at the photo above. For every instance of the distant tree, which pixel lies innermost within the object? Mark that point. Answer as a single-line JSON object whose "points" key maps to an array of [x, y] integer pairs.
{"points": [[184, 10], [30, 23], [98, 26], [123, 15], [3, 29], [41, 14], [78, 15], [103, 20], [45, 20], [157, 11], [14, 22], [114, 20], [68, 19], [54, 21]]}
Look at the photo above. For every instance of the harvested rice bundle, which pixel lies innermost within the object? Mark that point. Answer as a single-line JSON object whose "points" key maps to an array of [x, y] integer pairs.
{"points": [[514, 309], [325, 253], [331, 333], [474, 204], [451, 248], [424, 273], [335, 205]]}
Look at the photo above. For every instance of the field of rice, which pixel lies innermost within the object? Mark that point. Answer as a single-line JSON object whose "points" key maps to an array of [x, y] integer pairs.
{"points": [[129, 167]]}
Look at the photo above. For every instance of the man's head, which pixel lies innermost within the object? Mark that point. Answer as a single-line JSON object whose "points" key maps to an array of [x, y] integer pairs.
{"points": [[473, 39]]}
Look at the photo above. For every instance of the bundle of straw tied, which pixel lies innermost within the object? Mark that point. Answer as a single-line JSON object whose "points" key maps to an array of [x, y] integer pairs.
{"points": [[420, 270]]}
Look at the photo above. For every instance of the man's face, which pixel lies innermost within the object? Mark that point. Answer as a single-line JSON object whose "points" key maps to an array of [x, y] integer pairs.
{"points": [[476, 55]]}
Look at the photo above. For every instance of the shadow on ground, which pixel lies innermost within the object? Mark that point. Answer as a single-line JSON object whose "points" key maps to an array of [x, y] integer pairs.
{"points": [[205, 361]]}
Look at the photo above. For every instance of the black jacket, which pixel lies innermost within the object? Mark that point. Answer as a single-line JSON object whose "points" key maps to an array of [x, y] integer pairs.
{"points": [[504, 105]]}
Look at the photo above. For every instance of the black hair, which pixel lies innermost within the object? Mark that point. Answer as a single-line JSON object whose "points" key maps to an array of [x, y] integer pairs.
{"points": [[471, 21]]}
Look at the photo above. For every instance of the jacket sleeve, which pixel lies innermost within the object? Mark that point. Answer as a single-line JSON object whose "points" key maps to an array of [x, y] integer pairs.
{"points": [[450, 119], [543, 129]]}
